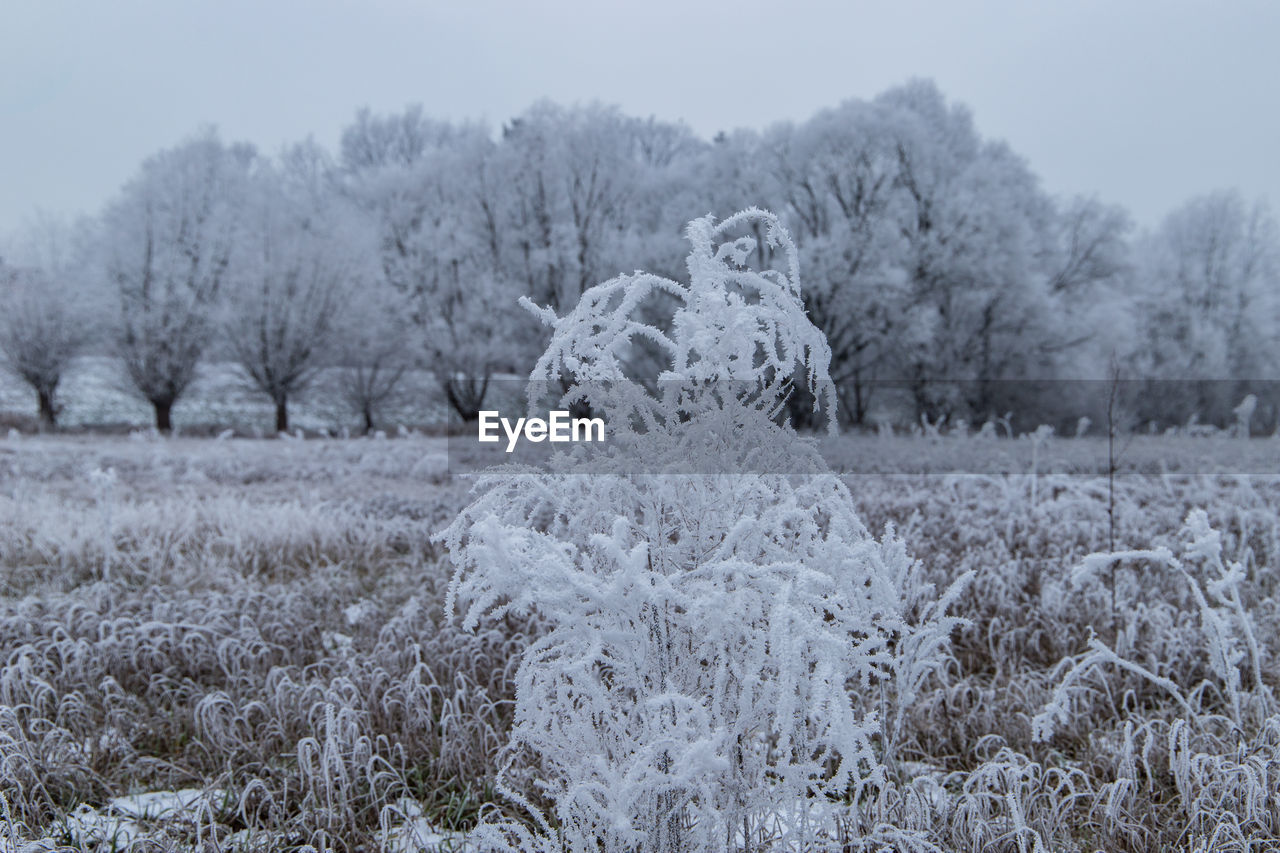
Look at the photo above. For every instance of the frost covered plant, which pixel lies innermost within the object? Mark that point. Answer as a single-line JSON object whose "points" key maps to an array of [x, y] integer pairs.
{"points": [[1230, 640], [714, 642], [104, 488]]}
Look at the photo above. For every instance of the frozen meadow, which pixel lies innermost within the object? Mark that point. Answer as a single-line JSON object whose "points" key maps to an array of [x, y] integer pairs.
{"points": [[257, 629]]}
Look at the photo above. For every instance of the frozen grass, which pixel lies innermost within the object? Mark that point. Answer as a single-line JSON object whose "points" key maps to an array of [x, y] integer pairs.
{"points": [[239, 645], [257, 618]]}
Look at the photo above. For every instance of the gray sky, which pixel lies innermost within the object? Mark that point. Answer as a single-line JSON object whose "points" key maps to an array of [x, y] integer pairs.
{"points": [[1143, 103]]}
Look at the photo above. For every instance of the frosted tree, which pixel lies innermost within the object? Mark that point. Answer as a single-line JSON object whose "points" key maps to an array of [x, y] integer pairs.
{"points": [[1091, 249], [1208, 306], [299, 266], [584, 193], [929, 252], [837, 175], [168, 242], [39, 334], [373, 354], [708, 634], [668, 189], [373, 142], [45, 313], [570, 174], [427, 190], [977, 234]]}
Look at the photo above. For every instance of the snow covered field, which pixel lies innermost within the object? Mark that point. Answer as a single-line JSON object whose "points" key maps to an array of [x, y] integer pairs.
{"points": [[239, 645]]}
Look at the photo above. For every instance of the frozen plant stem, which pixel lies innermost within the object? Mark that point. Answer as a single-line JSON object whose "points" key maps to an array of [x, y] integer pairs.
{"points": [[1112, 391]]}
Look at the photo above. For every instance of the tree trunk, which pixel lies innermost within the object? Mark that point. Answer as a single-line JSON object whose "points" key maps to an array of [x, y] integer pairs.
{"points": [[467, 396], [48, 414], [861, 404], [282, 414], [368, 419], [164, 415]]}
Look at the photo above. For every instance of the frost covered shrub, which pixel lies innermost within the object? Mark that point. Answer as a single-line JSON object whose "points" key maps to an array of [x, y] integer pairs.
{"points": [[1230, 639], [716, 643]]}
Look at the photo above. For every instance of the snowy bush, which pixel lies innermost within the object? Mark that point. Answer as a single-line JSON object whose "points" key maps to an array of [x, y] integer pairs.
{"points": [[705, 631]]}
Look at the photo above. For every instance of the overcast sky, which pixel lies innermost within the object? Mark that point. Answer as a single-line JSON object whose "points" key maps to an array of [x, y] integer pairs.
{"points": [[1143, 103]]}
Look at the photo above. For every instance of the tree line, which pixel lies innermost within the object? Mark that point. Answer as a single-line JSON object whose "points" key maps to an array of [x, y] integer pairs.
{"points": [[949, 283]]}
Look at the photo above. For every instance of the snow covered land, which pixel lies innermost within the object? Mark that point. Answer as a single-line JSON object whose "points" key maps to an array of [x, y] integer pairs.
{"points": [[263, 622]]}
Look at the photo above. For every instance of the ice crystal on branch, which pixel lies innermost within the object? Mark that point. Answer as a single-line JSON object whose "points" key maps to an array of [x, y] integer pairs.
{"points": [[734, 333]]}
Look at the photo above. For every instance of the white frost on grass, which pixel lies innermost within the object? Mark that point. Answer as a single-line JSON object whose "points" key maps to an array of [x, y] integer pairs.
{"points": [[86, 825], [336, 643], [416, 834], [155, 805], [248, 841], [123, 820], [360, 612]]}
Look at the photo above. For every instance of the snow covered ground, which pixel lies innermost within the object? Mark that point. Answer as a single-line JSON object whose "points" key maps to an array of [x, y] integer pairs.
{"points": [[241, 642]]}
